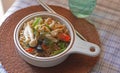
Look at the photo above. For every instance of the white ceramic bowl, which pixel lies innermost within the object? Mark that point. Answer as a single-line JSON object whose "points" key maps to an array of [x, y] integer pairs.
{"points": [[76, 44]]}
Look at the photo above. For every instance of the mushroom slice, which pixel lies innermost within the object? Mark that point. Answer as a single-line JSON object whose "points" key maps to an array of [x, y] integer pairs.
{"points": [[49, 36], [29, 36]]}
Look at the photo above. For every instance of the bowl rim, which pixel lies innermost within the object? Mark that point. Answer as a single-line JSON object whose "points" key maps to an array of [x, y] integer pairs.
{"points": [[29, 16]]}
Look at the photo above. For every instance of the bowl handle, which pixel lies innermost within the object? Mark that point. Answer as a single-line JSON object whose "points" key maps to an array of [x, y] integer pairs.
{"points": [[83, 47]]}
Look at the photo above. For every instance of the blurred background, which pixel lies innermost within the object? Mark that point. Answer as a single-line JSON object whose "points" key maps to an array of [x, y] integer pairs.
{"points": [[4, 6]]}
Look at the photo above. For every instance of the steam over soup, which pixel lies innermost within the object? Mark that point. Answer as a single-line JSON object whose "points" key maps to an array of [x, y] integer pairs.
{"points": [[44, 37]]}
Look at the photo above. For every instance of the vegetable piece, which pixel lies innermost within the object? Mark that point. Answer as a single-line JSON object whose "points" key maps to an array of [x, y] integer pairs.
{"points": [[28, 32], [44, 47], [36, 34], [29, 50], [64, 37], [42, 34], [37, 21], [48, 42], [33, 42], [27, 45], [37, 26], [49, 36], [62, 45], [57, 52], [47, 26], [29, 36]]}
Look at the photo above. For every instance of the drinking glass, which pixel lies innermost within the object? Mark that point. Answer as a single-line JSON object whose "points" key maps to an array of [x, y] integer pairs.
{"points": [[82, 8]]}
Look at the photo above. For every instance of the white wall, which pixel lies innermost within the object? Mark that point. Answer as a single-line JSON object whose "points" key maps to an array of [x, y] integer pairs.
{"points": [[1, 9], [6, 4]]}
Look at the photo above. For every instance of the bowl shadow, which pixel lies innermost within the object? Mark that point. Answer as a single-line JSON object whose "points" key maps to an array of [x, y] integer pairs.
{"points": [[73, 64]]}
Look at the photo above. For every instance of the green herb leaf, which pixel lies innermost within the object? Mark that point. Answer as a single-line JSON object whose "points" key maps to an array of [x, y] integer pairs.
{"points": [[37, 21], [36, 27], [57, 52], [62, 45], [47, 26]]}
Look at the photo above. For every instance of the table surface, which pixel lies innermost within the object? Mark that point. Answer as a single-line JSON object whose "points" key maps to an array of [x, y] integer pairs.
{"points": [[76, 62], [106, 18]]}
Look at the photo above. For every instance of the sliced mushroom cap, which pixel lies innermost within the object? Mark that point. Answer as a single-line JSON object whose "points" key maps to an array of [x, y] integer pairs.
{"points": [[29, 36], [33, 43]]}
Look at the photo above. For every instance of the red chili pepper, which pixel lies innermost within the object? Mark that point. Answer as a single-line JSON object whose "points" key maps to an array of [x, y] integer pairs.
{"points": [[44, 47], [64, 37], [30, 50]]}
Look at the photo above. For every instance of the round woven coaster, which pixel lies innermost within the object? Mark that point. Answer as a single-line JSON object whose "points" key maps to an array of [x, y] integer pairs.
{"points": [[75, 63]]}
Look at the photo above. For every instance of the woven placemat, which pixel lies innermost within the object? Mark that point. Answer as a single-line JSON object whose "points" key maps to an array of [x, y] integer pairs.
{"points": [[75, 63]]}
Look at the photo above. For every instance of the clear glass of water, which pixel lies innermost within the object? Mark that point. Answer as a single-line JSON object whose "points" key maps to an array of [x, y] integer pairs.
{"points": [[82, 8]]}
